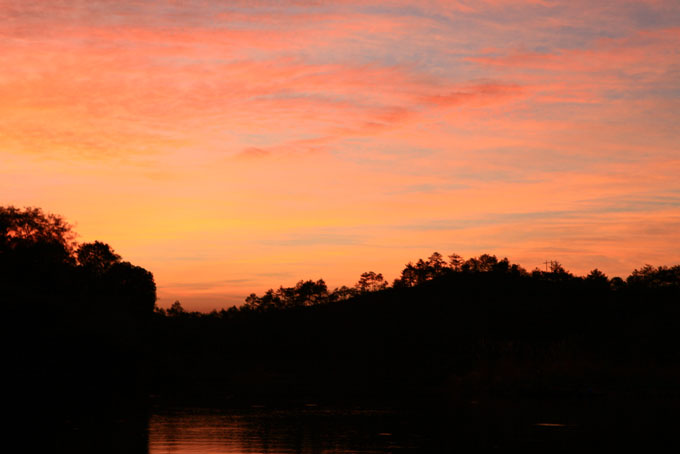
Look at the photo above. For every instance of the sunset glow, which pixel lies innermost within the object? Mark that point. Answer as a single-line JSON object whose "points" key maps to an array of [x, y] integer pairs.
{"points": [[233, 146]]}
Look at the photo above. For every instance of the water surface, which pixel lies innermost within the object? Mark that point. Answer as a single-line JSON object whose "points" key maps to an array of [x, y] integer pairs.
{"points": [[558, 425], [318, 429]]}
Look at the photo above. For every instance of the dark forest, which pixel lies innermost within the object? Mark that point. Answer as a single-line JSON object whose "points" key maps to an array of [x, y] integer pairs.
{"points": [[83, 322]]}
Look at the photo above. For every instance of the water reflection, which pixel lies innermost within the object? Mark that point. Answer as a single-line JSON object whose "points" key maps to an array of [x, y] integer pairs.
{"points": [[302, 430], [533, 426], [315, 429]]}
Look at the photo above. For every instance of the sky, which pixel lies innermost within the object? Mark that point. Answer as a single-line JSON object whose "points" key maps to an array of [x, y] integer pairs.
{"points": [[234, 146]]}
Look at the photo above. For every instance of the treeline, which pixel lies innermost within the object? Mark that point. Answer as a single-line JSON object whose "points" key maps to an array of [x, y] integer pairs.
{"points": [[42, 265], [307, 293], [83, 322], [76, 314], [450, 325]]}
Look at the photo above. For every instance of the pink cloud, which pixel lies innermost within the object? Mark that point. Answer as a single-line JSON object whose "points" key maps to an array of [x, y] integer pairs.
{"points": [[230, 135]]}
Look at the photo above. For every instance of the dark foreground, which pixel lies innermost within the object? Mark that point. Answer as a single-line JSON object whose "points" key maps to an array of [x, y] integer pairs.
{"points": [[532, 425], [477, 353], [474, 360]]}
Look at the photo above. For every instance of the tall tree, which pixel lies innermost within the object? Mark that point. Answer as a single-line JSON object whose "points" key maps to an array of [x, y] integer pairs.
{"points": [[371, 281]]}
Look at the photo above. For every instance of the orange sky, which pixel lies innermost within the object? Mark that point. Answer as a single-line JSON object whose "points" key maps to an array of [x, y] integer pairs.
{"points": [[230, 147]]}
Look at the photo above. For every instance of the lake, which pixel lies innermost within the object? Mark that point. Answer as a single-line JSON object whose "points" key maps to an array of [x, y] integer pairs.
{"points": [[560, 425], [556, 425]]}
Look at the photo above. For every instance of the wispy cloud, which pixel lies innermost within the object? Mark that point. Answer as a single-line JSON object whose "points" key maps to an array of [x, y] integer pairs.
{"points": [[299, 137]]}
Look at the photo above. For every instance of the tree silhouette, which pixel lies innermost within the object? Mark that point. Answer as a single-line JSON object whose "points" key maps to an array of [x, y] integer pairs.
{"points": [[96, 257], [176, 309], [133, 288], [659, 277], [40, 262], [304, 293], [455, 261], [36, 254], [370, 282], [342, 293], [436, 264], [307, 293], [557, 268], [31, 225], [597, 276], [78, 315]]}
